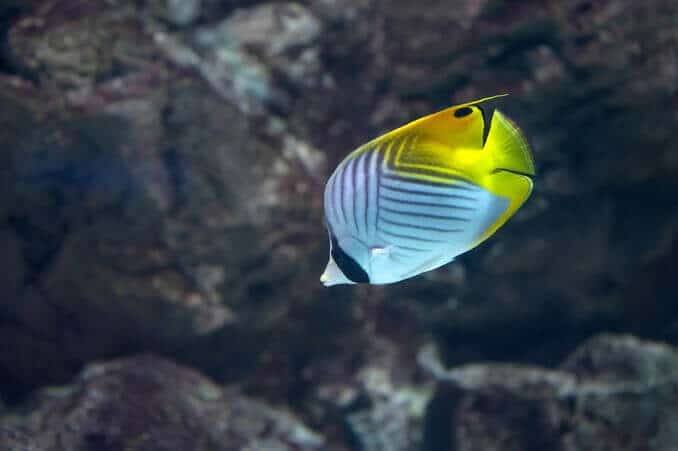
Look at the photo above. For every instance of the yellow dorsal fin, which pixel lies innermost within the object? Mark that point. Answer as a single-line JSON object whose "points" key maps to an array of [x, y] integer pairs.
{"points": [[508, 146], [457, 126]]}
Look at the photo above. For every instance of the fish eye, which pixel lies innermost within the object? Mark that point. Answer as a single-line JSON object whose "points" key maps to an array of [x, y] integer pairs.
{"points": [[463, 112]]}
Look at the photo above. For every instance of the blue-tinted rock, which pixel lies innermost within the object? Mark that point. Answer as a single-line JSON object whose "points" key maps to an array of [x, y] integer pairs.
{"points": [[183, 12]]}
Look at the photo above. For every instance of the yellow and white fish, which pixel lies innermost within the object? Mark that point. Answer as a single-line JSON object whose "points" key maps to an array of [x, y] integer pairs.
{"points": [[414, 198]]}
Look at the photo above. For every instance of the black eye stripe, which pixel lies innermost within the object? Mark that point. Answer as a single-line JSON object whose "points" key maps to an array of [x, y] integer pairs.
{"points": [[348, 266], [463, 111]]}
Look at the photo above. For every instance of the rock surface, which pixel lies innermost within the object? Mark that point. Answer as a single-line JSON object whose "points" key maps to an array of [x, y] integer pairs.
{"points": [[127, 220], [161, 172], [615, 392], [147, 403]]}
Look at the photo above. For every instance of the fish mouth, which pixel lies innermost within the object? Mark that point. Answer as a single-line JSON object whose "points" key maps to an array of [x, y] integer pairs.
{"points": [[333, 275]]}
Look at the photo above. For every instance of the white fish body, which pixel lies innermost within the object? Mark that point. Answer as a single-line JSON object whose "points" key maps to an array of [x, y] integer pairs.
{"points": [[407, 203]]}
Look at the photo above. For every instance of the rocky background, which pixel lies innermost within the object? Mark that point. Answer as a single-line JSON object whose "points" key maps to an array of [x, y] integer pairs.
{"points": [[162, 164]]}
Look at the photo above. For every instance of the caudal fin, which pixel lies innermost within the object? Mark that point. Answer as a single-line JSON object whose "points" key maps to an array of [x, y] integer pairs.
{"points": [[508, 146]]}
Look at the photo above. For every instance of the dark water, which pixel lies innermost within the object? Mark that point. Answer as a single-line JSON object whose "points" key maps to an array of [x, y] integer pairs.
{"points": [[162, 237]]}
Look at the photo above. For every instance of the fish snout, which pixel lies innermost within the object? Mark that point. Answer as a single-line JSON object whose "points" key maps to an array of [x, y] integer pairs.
{"points": [[333, 275]]}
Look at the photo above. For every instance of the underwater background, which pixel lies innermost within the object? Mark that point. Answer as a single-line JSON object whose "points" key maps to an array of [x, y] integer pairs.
{"points": [[162, 164]]}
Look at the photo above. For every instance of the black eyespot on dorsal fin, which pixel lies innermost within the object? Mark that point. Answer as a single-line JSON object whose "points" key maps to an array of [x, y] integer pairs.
{"points": [[351, 269], [486, 114], [463, 112]]}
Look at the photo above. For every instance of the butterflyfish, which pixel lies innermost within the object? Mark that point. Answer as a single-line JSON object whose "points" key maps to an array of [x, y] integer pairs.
{"points": [[412, 199]]}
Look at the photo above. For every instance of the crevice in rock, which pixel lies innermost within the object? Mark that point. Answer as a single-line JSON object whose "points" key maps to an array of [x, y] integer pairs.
{"points": [[40, 252], [8, 13], [174, 165]]}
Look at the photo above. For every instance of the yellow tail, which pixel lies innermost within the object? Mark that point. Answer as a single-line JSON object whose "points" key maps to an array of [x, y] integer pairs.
{"points": [[508, 146]]}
